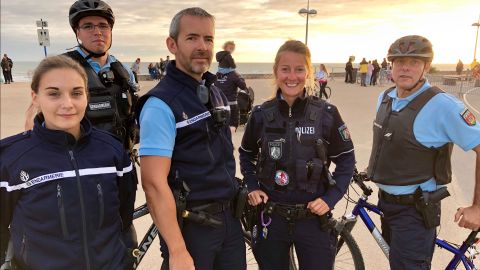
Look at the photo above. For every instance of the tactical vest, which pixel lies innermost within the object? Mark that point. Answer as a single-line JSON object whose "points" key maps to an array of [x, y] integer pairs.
{"points": [[288, 159], [111, 99], [203, 152], [397, 158]]}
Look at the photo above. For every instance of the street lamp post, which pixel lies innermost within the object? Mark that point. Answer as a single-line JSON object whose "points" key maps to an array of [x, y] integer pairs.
{"points": [[307, 12], [477, 24]]}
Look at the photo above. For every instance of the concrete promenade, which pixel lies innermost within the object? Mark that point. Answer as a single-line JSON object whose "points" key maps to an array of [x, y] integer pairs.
{"points": [[357, 107]]}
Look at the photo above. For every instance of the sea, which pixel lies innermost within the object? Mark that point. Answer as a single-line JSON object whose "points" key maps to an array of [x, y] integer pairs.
{"points": [[23, 71]]}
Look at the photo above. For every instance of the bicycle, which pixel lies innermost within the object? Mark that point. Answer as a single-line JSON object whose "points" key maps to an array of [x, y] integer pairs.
{"points": [[346, 255], [464, 253]]}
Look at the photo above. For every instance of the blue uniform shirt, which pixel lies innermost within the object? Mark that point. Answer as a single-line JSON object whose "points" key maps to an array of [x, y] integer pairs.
{"points": [[437, 123], [157, 137]]}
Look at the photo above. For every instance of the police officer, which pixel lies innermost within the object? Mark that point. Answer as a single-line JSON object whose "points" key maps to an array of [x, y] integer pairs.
{"points": [[184, 137], [67, 190], [288, 144], [111, 84], [413, 134]]}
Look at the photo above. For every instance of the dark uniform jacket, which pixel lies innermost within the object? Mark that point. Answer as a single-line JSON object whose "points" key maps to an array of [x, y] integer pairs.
{"points": [[203, 151], [229, 84], [280, 140], [66, 201]]}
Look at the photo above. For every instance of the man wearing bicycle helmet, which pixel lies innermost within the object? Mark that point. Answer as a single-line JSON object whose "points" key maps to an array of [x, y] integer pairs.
{"points": [[111, 84], [413, 134]]}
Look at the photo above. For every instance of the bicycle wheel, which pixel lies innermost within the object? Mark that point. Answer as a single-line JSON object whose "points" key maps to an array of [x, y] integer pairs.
{"points": [[348, 255]]}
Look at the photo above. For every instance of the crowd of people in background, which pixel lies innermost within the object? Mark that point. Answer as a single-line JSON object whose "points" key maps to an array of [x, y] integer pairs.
{"points": [[368, 71]]}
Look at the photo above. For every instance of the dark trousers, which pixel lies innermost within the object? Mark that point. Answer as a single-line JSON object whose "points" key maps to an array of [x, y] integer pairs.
{"points": [[213, 248], [322, 90], [315, 248], [135, 76], [234, 115], [349, 76], [411, 244], [7, 75]]}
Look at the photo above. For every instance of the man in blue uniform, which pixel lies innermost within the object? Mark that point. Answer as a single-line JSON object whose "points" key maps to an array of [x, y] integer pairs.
{"points": [[413, 134], [111, 84], [184, 137]]}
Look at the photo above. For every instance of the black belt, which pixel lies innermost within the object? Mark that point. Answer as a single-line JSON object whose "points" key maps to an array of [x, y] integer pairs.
{"points": [[408, 199], [293, 212], [211, 207]]}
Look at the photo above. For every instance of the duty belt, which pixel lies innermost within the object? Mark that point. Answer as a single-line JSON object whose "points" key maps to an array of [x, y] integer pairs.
{"points": [[408, 199], [211, 207], [293, 212]]}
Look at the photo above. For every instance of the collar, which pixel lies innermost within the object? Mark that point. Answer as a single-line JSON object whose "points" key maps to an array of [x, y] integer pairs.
{"points": [[95, 65], [425, 86], [59, 137], [182, 77], [298, 107]]}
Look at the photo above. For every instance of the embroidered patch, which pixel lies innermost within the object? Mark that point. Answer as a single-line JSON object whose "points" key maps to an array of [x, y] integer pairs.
{"points": [[24, 176], [275, 150], [469, 117], [344, 133]]}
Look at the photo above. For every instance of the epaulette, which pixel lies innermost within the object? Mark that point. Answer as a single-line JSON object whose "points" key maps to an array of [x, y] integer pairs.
{"points": [[15, 138], [257, 108]]}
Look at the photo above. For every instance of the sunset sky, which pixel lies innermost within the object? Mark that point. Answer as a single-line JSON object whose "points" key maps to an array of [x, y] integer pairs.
{"points": [[364, 28]]}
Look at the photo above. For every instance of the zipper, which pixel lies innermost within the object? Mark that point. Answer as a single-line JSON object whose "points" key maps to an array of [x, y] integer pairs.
{"points": [[82, 210], [290, 112], [101, 205], [208, 142], [61, 209]]}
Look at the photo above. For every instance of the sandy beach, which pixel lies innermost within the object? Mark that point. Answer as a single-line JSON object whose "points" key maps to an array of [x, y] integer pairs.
{"points": [[357, 107]]}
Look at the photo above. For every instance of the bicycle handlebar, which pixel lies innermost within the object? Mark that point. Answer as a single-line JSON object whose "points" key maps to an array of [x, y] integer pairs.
{"points": [[359, 178]]}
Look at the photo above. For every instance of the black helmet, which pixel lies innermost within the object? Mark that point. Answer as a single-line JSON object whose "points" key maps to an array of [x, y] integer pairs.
{"points": [[84, 8], [412, 46]]}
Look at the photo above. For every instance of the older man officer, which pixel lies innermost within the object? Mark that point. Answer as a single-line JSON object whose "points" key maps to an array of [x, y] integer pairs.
{"points": [[413, 133]]}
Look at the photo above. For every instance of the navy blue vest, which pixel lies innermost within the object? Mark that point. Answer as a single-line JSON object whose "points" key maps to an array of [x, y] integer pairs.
{"points": [[203, 152], [288, 145]]}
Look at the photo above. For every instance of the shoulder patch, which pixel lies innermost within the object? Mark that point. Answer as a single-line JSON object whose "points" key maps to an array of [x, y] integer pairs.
{"points": [[344, 133], [468, 117]]}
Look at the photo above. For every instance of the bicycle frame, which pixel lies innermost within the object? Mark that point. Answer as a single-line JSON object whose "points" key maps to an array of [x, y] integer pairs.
{"points": [[147, 240], [361, 208]]}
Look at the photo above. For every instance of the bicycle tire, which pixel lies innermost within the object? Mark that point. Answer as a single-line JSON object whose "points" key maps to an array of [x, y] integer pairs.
{"points": [[344, 258]]}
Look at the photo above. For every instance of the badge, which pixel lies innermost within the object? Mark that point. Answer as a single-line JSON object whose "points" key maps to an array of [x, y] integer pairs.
{"points": [[24, 176], [275, 149], [344, 133], [282, 178], [469, 117]]}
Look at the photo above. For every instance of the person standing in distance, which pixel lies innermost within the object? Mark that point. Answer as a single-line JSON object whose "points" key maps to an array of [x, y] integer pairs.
{"points": [[413, 134], [185, 138]]}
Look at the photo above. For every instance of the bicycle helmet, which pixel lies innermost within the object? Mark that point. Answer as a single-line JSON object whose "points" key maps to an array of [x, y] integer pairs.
{"points": [[412, 46], [84, 8]]}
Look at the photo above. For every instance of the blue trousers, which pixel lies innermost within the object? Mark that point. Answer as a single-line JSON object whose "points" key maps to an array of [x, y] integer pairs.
{"points": [[213, 248], [411, 244], [315, 248]]}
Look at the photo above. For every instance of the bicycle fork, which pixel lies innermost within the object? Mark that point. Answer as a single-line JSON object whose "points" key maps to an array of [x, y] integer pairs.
{"points": [[348, 221]]}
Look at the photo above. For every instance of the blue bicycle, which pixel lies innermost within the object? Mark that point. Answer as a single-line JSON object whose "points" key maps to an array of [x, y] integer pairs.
{"points": [[464, 253]]}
